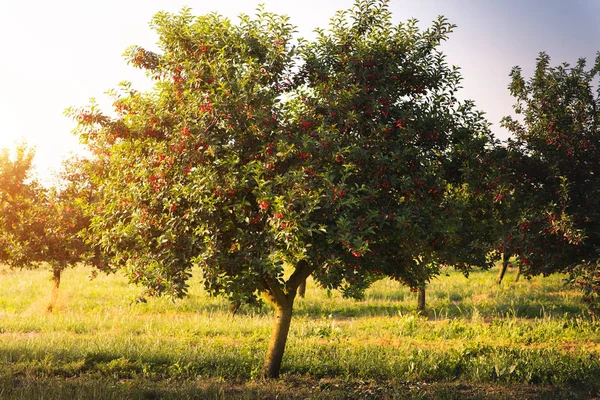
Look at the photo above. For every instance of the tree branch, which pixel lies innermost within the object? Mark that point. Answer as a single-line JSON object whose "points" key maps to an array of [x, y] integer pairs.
{"points": [[274, 293], [210, 126], [301, 272]]}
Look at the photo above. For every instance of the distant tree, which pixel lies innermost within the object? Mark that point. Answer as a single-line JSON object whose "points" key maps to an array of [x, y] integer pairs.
{"points": [[41, 226], [265, 162], [302, 289], [503, 267], [67, 221], [556, 148], [21, 217], [509, 204], [421, 308]]}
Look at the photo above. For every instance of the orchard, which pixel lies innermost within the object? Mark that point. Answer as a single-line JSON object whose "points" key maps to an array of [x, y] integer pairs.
{"points": [[261, 160]]}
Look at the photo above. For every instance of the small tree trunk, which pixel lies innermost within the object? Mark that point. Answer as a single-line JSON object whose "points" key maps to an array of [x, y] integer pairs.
{"points": [[502, 269], [302, 289], [56, 272], [234, 306], [518, 273], [421, 300], [282, 299], [281, 328]]}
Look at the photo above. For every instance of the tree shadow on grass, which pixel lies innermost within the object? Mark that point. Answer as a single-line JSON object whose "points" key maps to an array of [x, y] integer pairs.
{"points": [[449, 309], [289, 387]]}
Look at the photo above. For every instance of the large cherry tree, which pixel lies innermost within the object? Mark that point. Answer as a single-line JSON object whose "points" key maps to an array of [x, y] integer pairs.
{"points": [[265, 160]]}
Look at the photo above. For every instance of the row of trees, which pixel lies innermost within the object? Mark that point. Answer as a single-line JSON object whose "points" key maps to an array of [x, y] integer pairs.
{"points": [[265, 160]]}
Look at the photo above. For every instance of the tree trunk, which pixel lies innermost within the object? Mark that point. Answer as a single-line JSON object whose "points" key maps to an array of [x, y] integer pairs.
{"points": [[518, 273], [302, 289], [281, 327], [502, 269], [55, 286], [421, 300], [234, 306], [282, 299]]}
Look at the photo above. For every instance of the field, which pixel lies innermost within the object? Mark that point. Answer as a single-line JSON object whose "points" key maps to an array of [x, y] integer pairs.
{"points": [[531, 339]]}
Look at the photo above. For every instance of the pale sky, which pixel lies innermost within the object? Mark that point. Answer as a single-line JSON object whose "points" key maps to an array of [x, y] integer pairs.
{"points": [[59, 53]]}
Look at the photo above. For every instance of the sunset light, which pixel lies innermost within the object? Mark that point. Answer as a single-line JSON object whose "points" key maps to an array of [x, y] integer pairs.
{"points": [[348, 199], [59, 54]]}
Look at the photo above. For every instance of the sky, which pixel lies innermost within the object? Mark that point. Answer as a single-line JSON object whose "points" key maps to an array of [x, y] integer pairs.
{"points": [[60, 53]]}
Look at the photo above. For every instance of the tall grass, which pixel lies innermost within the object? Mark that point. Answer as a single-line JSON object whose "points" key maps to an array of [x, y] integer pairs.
{"points": [[534, 332]]}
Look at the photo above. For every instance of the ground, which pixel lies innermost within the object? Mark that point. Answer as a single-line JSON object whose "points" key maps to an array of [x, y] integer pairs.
{"points": [[528, 340]]}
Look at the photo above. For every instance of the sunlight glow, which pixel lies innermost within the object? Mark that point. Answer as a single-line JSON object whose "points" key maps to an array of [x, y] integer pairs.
{"points": [[59, 54]]}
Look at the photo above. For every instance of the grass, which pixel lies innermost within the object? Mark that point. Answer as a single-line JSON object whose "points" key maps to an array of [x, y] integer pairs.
{"points": [[531, 339]]}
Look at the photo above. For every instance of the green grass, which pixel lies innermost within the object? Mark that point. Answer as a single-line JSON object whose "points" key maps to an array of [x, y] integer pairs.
{"points": [[98, 343]]}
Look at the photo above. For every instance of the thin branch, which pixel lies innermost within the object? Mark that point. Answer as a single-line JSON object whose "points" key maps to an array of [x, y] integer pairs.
{"points": [[210, 126]]}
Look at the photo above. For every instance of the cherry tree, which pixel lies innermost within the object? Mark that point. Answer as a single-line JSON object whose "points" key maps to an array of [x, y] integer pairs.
{"points": [[264, 160], [555, 152], [42, 226]]}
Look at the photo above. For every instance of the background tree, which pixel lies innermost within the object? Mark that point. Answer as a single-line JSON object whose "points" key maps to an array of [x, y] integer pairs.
{"points": [[508, 206], [41, 226], [556, 148], [21, 218], [66, 224], [265, 162]]}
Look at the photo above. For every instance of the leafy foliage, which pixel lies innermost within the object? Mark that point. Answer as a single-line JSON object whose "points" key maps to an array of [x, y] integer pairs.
{"points": [[41, 225], [252, 153], [402, 155], [21, 219], [556, 148]]}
